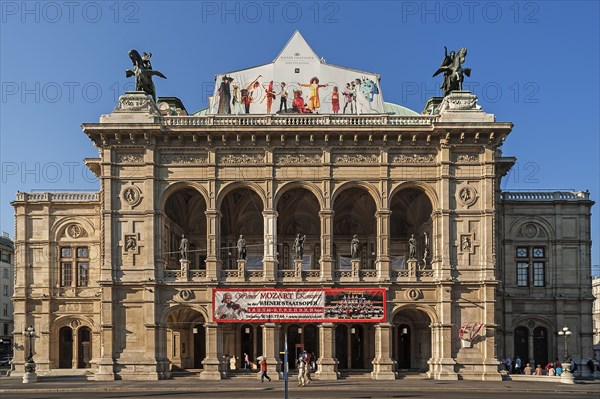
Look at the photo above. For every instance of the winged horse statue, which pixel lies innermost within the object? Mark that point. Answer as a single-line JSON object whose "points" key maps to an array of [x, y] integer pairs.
{"points": [[143, 72]]}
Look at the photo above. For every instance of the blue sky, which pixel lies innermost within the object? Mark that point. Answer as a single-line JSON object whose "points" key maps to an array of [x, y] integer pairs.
{"points": [[535, 63]]}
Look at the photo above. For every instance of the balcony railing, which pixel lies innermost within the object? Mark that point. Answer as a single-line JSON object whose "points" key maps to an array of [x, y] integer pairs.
{"points": [[298, 120], [63, 197], [545, 196]]}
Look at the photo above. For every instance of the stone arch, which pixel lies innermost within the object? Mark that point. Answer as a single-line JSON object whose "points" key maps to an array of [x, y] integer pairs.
{"points": [[180, 185], [425, 188], [368, 187], [237, 185], [60, 225], [166, 312], [542, 230], [423, 308], [75, 323], [286, 187], [183, 335]]}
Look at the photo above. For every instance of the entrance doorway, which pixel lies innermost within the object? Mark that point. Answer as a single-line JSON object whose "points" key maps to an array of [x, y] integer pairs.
{"points": [[403, 357], [540, 346], [199, 345], [65, 348], [84, 347], [521, 343], [412, 339]]}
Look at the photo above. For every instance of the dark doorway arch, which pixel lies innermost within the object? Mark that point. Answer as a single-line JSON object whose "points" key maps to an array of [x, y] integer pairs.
{"points": [[65, 348], [540, 346], [412, 339], [357, 346], [521, 343], [403, 356]]}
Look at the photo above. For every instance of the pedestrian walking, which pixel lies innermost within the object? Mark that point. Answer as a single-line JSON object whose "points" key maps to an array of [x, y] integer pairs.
{"points": [[263, 370], [246, 361]]}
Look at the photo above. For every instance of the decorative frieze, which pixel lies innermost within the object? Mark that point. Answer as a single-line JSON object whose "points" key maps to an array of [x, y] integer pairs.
{"points": [[414, 159], [357, 159], [301, 159], [242, 159], [130, 158], [183, 159], [466, 158]]}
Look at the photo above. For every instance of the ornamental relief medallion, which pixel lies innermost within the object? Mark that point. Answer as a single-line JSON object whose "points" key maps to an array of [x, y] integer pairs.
{"points": [[357, 159], [75, 231], [531, 230], [466, 195], [300, 159], [414, 158], [242, 159], [131, 195]]}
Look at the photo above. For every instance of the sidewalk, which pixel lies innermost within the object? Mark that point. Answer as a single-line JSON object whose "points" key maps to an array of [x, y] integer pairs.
{"points": [[182, 384]]}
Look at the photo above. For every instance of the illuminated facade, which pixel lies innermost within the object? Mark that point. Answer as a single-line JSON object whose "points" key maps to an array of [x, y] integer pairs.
{"points": [[101, 275]]}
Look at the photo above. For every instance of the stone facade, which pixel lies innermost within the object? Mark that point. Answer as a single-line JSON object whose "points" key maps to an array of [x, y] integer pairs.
{"points": [[7, 274], [596, 316], [100, 278]]}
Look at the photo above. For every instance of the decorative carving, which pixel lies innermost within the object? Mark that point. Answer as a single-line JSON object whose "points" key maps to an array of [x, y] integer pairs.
{"points": [[168, 159], [135, 158], [466, 158], [76, 231], [130, 243], [357, 158], [414, 294], [287, 159], [467, 195], [531, 230], [185, 295], [75, 324], [414, 158], [131, 195], [465, 243], [242, 159]]}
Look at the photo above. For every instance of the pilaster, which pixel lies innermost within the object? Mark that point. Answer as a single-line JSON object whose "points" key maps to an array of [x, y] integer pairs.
{"points": [[327, 364]]}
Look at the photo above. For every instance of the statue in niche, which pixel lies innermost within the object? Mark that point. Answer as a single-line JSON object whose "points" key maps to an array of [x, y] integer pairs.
{"points": [[184, 248], [412, 247], [465, 243], [130, 243], [454, 73], [142, 70], [241, 248], [355, 247], [299, 246]]}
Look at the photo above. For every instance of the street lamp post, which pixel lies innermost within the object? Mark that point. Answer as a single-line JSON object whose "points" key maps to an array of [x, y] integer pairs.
{"points": [[565, 332], [30, 375]]}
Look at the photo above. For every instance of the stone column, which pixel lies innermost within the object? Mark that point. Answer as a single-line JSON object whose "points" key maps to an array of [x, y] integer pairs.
{"points": [[383, 244], [214, 352], [383, 364], [327, 364], [105, 363], [185, 268], [213, 244], [327, 260], [271, 350], [270, 264]]}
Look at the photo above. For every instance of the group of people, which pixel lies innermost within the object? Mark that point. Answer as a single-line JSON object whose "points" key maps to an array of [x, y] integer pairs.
{"points": [[354, 306], [358, 94], [305, 362], [553, 368]]}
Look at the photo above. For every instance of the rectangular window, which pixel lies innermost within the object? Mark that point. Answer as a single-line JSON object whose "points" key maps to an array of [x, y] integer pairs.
{"points": [[82, 274], [82, 252], [539, 274], [5, 257], [5, 273], [66, 274], [5, 291], [5, 309], [522, 252], [6, 325], [65, 252], [523, 274]]}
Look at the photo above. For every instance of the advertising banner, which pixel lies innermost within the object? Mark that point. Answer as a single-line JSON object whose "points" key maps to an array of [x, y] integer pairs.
{"points": [[336, 305]]}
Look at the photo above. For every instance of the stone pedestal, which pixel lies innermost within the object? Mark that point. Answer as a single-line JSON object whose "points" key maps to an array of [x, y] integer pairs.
{"points": [[214, 345], [298, 269], [105, 370], [30, 376], [567, 376], [185, 268], [271, 351], [241, 268], [355, 264], [412, 268]]}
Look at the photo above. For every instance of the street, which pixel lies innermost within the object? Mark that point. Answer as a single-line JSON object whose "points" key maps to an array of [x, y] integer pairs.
{"points": [[184, 388]]}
